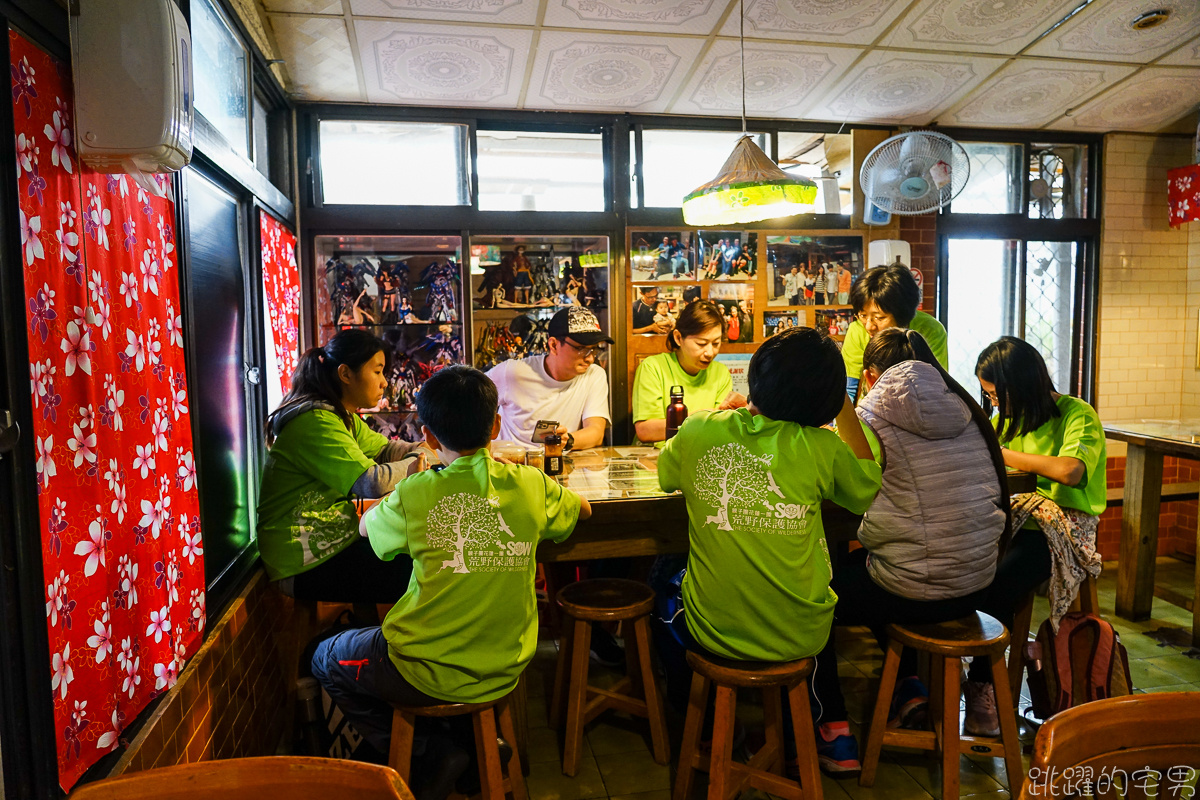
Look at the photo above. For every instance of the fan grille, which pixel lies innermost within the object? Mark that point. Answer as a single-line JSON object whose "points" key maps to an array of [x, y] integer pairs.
{"points": [[915, 172]]}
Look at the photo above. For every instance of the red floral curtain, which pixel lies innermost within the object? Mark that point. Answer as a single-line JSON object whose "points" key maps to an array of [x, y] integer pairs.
{"points": [[1183, 194], [281, 285], [122, 553]]}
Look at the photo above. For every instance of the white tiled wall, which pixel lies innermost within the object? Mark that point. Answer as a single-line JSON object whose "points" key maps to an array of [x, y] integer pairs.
{"points": [[1149, 286]]}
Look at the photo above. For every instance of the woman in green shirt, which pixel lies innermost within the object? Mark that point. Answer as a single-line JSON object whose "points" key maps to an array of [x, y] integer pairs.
{"points": [[1059, 439], [322, 456], [691, 363]]}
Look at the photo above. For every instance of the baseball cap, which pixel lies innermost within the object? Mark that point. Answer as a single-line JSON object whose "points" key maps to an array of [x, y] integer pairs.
{"points": [[579, 324]]}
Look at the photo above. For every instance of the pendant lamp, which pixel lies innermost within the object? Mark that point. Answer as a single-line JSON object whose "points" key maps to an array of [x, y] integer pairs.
{"points": [[750, 186]]}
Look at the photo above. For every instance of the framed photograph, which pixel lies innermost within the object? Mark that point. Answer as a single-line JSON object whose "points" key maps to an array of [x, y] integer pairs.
{"points": [[739, 369], [777, 321], [736, 301], [813, 270], [661, 256], [726, 255], [656, 304]]}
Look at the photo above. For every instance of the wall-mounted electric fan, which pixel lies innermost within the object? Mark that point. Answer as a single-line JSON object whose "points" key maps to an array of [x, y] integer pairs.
{"points": [[914, 172]]}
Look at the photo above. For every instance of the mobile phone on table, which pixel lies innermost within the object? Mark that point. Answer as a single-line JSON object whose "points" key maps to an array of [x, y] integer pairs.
{"points": [[543, 427]]}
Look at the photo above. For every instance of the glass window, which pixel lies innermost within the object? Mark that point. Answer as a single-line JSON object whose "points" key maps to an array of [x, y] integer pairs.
{"points": [[979, 272], [1058, 181], [676, 162], [261, 139], [220, 68], [825, 159], [1050, 305], [995, 183], [393, 163], [536, 171]]}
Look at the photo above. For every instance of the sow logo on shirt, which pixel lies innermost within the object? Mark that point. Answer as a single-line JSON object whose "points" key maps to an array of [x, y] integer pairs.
{"points": [[475, 533], [742, 488]]}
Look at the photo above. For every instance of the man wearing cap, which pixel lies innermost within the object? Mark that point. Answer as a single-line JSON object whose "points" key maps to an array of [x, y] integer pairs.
{"points": [[565, 384]]}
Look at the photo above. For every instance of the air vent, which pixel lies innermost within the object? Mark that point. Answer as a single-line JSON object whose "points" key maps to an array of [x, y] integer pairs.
{"points": [[1150, 19]]}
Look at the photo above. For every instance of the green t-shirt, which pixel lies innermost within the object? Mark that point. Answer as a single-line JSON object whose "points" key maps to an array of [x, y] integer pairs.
{"points": [[467, 625], [656, 375], [1078, 433], [857, 337], [757, 584], [305, 514]]}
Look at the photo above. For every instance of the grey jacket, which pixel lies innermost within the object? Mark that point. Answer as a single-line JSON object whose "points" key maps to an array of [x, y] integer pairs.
{"points": [[934, 529]]}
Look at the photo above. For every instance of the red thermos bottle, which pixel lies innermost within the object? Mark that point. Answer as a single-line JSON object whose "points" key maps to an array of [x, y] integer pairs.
{"points": [[676, 411]]}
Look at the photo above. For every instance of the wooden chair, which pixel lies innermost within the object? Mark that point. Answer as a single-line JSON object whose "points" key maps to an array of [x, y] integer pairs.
{"points": [[1087, 601], [766, 769], [1119, 736], [494, 783], [606, 600], [293, 777], [947, 643]]}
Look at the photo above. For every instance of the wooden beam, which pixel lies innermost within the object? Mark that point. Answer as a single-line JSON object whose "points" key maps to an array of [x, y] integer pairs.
{"points": [[1139, 532]]}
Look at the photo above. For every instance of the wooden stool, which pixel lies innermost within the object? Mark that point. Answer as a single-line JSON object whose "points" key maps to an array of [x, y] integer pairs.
{"points": [[493, 783], [766, 769], [976, 635], [605, 600]]}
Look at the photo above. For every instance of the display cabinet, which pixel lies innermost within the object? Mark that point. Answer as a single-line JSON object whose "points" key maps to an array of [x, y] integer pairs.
{"points": [[408, 291]]}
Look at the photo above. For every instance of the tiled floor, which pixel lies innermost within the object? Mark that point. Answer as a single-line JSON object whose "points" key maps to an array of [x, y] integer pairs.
{"points": [[616, 760]]}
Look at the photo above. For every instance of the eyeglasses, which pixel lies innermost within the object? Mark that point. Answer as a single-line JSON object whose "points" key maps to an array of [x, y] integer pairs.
{"points": [[877, 318], [991, 396], [587, 352]]}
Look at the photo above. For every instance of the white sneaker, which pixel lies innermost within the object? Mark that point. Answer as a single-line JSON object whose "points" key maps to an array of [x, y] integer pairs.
{"points": [[982, 718]]}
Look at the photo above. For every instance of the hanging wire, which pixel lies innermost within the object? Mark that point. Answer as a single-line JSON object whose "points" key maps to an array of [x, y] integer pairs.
{"points": [[742, 57]]}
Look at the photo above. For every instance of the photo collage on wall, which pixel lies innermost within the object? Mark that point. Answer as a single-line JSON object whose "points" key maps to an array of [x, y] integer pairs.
{"points": [[693, 255], [813, 271], [736, 301], [779, 321]]}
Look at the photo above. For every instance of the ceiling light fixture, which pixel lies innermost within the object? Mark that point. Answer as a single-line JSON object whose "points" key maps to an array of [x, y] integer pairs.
{"points": [[750, 186], [1150, 19]]}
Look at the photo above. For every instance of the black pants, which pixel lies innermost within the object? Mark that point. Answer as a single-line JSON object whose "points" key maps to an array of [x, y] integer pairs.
{"points": [[355, 575], [862, 601], [1025, 566]]}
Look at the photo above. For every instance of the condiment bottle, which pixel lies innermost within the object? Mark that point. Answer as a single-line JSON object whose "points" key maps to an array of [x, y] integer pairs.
{"points": [[552, 463], [676, 411]]}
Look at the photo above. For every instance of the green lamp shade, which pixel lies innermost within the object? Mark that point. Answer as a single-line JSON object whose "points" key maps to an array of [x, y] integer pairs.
{"points": [[749, 188]]}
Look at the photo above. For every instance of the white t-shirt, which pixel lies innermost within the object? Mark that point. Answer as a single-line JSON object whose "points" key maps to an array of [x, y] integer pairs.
{"points": [[791, 284], [528, 393], [831, 280]]}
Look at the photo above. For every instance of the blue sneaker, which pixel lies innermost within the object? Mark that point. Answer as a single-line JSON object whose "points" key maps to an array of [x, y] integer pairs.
{"points": [[839, 758], [910, 705]]}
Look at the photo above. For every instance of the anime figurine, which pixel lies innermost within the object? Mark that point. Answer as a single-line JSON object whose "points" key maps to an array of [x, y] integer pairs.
{"points": [[440, 347], [403, 381], [522, 276], [405, 315], [341, 286], [441, 302], [386, 281]]}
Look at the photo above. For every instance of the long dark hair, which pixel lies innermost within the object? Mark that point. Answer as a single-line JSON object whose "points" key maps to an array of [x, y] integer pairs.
{"points": [[892, 346], [316, 377], [1024, 391], [695, 319]]}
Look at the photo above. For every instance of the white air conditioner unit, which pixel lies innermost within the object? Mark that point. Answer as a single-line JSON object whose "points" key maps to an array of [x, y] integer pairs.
{"points": [[132, 69]]}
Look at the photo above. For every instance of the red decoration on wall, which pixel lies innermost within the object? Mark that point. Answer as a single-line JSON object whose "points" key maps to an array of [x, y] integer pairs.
{"points": [[122, 554], [1183, 194], [281, 285]]}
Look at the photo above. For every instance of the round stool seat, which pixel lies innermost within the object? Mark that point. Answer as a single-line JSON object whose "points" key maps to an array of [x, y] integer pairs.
{"points": [[973, 635], [606, 599], [750, 673], [447, 709]]}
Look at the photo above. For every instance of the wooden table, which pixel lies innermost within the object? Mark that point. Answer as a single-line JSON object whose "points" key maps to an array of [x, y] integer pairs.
{"points": [[1148, 441]]}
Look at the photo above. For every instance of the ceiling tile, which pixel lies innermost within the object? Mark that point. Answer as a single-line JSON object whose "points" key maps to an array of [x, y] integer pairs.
{"points": [[451, 65], [609, 72], [305, 6], [903, 88], [1186, 56], [1030, 93], [1147, 101], [981, 26], [482, 12], [781, 78], [1101, 31], [318, 55], [840, 21], [669, 16]]}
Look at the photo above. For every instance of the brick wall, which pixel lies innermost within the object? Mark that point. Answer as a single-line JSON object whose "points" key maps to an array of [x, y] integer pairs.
{"points": [[1176, 520], [921, 234]]}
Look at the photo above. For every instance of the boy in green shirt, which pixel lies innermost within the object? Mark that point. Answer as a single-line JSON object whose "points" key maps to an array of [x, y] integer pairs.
{"points": [[467, 626], [756, 585]]}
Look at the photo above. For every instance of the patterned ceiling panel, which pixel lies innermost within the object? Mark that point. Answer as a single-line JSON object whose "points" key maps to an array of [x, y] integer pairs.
{"points": [[903, 88], [609, 72], [305, 6], [983, 26], [1150, 100], [781, 79], [1031, 93], [667, 16], [1102, 31], [837, 21], [318, 55], [482, 12], [1186, 56], [432, 64]]}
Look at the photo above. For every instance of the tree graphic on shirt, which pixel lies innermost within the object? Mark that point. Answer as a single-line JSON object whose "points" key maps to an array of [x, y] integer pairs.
{"points": [[464, 519], [731, 471]]}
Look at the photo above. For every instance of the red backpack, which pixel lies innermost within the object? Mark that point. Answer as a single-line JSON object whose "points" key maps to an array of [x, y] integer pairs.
{"points": [[1083, 661]]}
